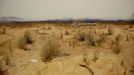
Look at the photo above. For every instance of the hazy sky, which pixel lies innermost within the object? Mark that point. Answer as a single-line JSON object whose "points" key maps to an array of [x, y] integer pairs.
{"points": [[50, 9]]}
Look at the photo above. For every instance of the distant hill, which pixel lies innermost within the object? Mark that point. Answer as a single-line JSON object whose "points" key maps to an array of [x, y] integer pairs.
{"points": [[66, 20], [11, 19], [91, 20]]}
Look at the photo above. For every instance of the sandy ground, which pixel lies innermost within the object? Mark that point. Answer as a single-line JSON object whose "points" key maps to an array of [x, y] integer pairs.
{"points": [[29, 62]]}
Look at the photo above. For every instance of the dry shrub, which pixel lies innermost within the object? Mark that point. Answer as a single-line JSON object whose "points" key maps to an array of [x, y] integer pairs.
{"points": [[22, 43], [26, 39], [80, 35], [6, 53], [90, 38], [4, 58], [51, 49], [117, 47], [72, 43], [57, 34], [28, 36], [127, 38], [3, 65], [95, 38], [90, 56], [95, 57], [66, 33], [110, 30], [130, 26], [128, 56], [3, 30], [119, 38], [49, 28], [0, 69]]}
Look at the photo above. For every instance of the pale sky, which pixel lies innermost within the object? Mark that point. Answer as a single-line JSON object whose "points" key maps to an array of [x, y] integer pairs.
{"points": [[52, 9]]}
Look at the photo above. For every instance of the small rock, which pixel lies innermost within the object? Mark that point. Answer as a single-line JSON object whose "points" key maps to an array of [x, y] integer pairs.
{"points": [[33, 60]]}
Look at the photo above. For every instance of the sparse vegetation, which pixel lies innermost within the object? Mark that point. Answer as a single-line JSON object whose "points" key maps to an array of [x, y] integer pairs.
{"points": [[88, 47], [80, 35], [119, 38], [51, 49], [28, 36], [110, 30], [22, 43], [116, 47], [90, 38], [26, 39], [3, 65], [58, 35], [3, 30], [95, 57], [66, 32]]}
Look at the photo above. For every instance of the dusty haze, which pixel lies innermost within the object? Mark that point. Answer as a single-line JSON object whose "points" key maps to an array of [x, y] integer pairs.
{"points": [[50, 9]]}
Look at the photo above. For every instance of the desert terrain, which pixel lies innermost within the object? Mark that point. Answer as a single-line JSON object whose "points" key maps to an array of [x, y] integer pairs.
{"points": [[67, 49]]}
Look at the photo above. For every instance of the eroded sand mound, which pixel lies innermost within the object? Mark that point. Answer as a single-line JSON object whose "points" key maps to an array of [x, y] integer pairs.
{"points": [[106, 64]]}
